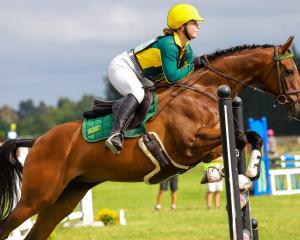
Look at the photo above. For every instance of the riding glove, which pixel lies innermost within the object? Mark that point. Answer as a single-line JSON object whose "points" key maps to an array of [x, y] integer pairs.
{"points": [[197, 62]]}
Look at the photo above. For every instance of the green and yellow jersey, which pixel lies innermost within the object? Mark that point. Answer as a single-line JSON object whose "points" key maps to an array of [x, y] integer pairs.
{"points": [[164, 57]]}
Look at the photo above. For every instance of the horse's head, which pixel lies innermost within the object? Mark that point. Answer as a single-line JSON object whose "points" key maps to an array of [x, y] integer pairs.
{"points": [[283, 80]]}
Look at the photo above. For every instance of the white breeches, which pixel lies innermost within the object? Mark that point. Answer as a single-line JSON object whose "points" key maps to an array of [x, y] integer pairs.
{"points": [[215, 187], [124, 77]]}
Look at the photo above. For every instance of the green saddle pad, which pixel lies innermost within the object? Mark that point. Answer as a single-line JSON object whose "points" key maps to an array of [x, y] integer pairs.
{"points": [[97, 129]]}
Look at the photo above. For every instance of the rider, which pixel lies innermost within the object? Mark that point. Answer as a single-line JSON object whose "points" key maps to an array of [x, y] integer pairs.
{"points": [[168, 57]]}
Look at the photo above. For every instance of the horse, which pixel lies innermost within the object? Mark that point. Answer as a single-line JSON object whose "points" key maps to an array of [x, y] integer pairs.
{"points": [[61, 166]]}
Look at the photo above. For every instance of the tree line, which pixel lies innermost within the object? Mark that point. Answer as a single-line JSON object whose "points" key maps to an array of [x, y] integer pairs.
{"points": [[34, 120]]}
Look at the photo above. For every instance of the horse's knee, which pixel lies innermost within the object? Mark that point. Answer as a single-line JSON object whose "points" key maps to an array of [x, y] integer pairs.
{"points": [[254, 139], [240, 139]]}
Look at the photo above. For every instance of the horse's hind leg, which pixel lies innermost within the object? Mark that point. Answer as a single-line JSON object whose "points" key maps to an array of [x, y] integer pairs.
{"points": [[50, 216], [36, 195], [20, 213]]}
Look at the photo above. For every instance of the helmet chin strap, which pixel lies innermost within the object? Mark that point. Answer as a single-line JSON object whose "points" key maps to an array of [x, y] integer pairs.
{"points": [[186, 32]]}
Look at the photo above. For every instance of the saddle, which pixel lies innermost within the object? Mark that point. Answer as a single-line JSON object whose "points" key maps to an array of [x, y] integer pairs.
{"points": [[102, 107]]}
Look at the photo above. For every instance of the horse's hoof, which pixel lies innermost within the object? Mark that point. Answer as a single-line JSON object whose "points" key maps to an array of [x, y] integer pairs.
{"points": [[244, 183], [244, 199]]}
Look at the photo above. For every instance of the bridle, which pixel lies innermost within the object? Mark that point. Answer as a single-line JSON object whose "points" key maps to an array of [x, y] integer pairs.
{"points": [[284, 96]]}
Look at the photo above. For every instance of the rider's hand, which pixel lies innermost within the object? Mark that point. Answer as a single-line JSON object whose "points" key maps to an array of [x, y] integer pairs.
{"points": [[197, 62]]}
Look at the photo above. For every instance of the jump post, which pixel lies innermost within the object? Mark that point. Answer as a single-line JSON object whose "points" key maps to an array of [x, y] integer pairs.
{"points": [[241, 226]]}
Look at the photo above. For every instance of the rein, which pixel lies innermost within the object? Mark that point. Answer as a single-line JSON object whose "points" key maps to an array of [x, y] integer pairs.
{"points": [[178, 87], [206, 64]]}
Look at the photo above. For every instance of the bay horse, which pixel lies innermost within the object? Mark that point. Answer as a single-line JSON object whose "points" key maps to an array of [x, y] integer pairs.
{"points": [[61, 166]]}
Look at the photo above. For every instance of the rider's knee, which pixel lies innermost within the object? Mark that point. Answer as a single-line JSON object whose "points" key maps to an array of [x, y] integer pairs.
{"points": [[139, 94]]}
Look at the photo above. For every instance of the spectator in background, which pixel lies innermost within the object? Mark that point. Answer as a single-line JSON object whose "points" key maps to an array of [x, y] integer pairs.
{"points": [[12, 134], [163, 187], [272, 144], [213, 189]]}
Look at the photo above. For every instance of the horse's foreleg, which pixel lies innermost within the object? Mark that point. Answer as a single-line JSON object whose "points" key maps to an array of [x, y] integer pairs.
{"points": [[207, 139], [50, 216], [256, 141], [209, 134]]}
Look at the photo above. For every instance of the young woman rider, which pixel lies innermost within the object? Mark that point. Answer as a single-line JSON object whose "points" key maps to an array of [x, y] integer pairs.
{"points": [[168, 57]]}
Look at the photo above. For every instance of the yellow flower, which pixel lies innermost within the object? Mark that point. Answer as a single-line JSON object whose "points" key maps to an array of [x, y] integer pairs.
{"points": [[107, 216]]}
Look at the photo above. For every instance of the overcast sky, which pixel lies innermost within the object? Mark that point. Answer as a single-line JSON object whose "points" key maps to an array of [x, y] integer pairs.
{"points": [[61, 48]]}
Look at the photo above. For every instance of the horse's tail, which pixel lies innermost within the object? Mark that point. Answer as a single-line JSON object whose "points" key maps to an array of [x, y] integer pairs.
{"points": [[10, 174]]}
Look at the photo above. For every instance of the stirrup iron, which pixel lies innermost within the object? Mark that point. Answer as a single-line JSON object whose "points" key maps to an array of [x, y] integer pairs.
{"points": [[111, 146]]}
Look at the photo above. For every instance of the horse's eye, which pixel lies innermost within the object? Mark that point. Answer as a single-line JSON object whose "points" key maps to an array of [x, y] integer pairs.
{"points": [[289, 72]]}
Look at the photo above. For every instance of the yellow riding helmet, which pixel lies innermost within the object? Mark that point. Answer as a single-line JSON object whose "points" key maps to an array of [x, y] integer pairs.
{"points": [[181, 14]]}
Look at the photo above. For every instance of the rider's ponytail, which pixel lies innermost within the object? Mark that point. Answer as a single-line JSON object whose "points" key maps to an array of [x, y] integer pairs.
{"points": [[168, 31]]}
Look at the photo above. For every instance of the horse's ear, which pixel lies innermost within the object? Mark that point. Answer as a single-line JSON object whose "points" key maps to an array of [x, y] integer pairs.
{"points": [[287, 45]]}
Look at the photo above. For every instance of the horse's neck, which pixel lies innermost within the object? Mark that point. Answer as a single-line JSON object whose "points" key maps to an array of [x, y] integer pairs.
{"points": [[247, 66]]}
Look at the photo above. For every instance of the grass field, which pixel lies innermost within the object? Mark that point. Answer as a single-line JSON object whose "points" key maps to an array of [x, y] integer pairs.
{"points": [[278, 216]]}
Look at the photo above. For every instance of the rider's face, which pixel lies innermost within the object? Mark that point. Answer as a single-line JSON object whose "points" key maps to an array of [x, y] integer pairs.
{"points": [[193, 28]]}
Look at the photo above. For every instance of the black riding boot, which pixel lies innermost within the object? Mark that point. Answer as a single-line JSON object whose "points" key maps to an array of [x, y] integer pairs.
{"points": [[123, 116]]}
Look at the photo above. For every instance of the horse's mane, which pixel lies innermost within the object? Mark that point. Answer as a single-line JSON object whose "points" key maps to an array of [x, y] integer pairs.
{"points": [[222, 52]]}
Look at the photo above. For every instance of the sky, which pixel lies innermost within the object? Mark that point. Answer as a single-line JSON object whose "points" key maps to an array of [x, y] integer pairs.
{"points": [[62, 48]]}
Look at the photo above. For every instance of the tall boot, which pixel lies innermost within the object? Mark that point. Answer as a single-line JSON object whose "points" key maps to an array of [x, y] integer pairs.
{"points": [[122, 118]]}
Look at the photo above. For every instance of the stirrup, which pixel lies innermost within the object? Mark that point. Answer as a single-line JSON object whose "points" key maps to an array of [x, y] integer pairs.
{"points": [[111, 146]]}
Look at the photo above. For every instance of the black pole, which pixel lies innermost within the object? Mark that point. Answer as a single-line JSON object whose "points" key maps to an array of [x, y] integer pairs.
{"points": [[254, 229], [237, 107], [230, 163]]}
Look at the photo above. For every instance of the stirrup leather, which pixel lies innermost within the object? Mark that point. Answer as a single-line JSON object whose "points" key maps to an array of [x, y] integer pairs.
{"points": [[111, 146]]}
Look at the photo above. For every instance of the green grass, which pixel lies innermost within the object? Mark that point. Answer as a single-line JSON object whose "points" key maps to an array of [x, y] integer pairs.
{"points": [[278, 216]]}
